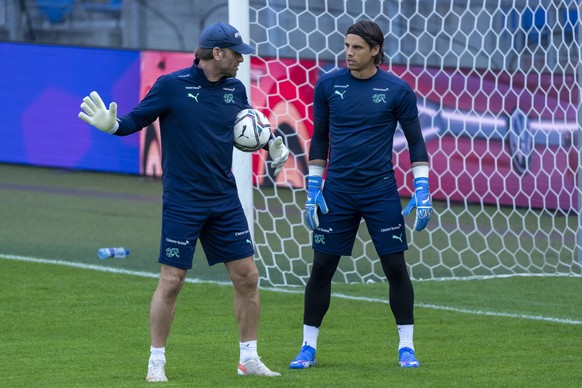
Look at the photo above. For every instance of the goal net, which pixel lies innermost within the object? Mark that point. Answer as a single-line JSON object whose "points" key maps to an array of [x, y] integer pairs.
{"points": [[498, 87]]}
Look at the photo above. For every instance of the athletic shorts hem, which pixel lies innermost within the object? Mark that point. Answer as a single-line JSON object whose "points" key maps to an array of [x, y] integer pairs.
{"points": [[392, 251], [244, 256], [175, 264], [401, 249], [318, 249]]}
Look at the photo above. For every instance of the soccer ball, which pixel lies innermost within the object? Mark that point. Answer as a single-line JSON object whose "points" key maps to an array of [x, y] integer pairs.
{"points": [[252, 130]]}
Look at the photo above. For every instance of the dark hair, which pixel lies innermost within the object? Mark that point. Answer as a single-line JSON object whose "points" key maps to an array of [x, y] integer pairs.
{"points": [[372, 34], [204, 53]]}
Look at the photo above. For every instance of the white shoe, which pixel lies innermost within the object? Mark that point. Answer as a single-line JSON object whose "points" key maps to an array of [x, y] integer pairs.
{"points": [[255, 367], [156, 371]]}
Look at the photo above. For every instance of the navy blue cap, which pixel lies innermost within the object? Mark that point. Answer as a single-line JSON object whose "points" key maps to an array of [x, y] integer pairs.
{"points": [[223, 35]]}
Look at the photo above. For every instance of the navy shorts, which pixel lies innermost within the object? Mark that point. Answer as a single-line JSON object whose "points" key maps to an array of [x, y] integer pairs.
{"points": [[380, 207], [222, 229]]}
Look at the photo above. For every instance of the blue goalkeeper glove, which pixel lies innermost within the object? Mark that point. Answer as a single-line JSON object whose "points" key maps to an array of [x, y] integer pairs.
{"points": [[314, 200], [421, 200]]}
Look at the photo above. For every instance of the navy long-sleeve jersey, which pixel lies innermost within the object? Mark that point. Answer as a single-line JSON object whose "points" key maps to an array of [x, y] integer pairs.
{"points": [[196, 125], [356, 120]]}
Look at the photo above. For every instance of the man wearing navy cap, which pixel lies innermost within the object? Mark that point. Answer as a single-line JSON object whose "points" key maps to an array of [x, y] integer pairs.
{"points": [[224, 36], [197, 107]]}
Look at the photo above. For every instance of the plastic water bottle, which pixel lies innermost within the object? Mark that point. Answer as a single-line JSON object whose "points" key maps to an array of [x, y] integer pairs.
{"points": [[108, 253]]}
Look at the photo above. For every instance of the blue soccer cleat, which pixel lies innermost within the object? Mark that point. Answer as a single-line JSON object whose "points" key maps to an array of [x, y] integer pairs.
{"points": [[305, 358], [407, 358]]}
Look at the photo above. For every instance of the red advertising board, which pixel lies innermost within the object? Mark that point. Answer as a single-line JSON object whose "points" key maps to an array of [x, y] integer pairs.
{"points": [[493, 137]]}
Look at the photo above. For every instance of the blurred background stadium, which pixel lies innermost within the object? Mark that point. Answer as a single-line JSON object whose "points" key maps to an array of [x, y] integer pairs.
{"points": [[498, 87]]}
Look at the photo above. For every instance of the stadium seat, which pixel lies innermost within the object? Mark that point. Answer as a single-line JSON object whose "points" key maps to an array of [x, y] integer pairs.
{"points": [[56, 11], [111, 7]]}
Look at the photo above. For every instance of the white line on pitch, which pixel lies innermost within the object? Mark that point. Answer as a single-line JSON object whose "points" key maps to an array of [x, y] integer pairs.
{"points": [[286, 290]]}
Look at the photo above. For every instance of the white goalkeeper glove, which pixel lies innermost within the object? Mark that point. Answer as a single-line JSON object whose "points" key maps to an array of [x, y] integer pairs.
{"points": [[279, 153], [96, 114]]}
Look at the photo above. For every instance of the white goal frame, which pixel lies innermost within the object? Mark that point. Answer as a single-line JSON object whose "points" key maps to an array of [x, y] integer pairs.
{"points": [[530, 227]]}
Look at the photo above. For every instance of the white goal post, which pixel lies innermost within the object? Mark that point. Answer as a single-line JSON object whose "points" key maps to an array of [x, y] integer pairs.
{"points": [[242, 167], [498, 86]]}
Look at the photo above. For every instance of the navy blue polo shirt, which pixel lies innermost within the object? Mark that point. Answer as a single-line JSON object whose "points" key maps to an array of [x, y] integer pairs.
{"points": [[196, 125], [363, 117]]}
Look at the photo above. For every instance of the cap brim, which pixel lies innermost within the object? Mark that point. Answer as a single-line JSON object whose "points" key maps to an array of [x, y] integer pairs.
{"points": [[243, 49]]}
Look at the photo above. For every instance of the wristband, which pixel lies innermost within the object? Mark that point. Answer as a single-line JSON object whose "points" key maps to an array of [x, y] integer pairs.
{"points": [[420, 171], [114, 129], [315, 170]]}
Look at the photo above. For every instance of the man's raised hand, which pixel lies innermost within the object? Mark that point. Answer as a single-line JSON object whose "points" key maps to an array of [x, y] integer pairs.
{"points": [[96, 113]]}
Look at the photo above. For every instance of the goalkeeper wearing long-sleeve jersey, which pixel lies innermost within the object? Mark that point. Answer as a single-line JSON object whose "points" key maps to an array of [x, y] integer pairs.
{"points": [[197, 107], [356, 112]]}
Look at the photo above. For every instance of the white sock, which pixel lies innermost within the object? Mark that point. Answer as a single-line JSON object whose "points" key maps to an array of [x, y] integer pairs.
{"points": [[310, 334], [158, 353], [406, 333], [248, 350]]}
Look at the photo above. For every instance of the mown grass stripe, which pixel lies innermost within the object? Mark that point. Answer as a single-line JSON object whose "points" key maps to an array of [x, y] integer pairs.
{"points": [[291, 291]]}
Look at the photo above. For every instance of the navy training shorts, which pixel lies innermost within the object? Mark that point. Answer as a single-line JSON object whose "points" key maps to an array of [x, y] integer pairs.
{"points": [[222, 229], [380, 207]]}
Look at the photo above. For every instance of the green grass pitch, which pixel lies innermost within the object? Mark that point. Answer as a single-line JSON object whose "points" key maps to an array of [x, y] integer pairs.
{"points": [[65, 326]]}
